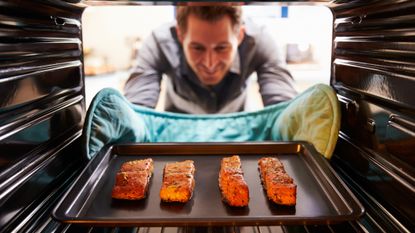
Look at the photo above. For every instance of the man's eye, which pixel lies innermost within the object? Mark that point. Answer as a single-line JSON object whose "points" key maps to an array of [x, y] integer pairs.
{"points": [[221, 48], [198, 48]]}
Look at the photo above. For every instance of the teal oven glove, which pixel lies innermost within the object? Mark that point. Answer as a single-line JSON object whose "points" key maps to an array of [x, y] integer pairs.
{"points": [[113, 119]]}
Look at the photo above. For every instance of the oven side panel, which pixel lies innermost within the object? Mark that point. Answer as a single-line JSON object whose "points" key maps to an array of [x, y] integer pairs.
{"points": [[41, 109], [373, 72]]}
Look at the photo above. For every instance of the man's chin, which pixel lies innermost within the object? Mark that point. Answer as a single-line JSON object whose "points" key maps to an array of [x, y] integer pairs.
{"points": [[210, 81]]}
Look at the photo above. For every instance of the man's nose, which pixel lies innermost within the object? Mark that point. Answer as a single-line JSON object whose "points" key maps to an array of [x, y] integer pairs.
{"points": [[210, 59]]}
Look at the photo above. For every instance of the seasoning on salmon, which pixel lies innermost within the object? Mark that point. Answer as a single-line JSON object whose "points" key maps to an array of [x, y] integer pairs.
{"points": [[178, 181], [232, 185], [132, 180], [280, 187]]}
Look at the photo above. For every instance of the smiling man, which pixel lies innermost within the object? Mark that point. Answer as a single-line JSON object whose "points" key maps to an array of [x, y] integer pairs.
{"points": [[208, 55]]}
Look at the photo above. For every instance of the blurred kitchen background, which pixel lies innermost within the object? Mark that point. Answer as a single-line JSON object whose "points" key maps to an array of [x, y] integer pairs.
{"points": [[112, 36]]}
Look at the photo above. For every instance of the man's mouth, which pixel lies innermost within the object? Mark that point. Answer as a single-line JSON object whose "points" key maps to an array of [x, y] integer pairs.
{"points": [[210, 71]]}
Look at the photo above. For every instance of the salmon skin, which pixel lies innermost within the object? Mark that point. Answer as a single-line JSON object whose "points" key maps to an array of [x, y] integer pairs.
{"points": [[279, 186], [234, 190], [132, 180], [178, 182]]}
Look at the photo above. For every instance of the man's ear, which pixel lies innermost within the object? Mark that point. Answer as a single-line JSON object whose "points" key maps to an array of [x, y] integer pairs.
{"points": [[241, 34], [179, 34]]}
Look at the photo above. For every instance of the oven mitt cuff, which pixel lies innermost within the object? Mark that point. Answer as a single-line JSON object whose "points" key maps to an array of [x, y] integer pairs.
{"points": [[314, 117], [111, 118]]}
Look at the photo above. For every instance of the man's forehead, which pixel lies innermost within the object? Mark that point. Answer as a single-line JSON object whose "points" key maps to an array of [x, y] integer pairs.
{"points": [[199, 43], [195, 39], [194, 22], [218, 30]]}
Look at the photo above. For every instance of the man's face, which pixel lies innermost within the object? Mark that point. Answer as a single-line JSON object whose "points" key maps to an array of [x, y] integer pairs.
{"points": [[210, 47]]}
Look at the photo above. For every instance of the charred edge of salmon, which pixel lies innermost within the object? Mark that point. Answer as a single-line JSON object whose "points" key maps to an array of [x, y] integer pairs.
{"points": [[138, 165]]}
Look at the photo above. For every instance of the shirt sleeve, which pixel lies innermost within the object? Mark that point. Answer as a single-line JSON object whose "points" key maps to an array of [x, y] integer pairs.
{"points": [[275, 82], [143, 85]]}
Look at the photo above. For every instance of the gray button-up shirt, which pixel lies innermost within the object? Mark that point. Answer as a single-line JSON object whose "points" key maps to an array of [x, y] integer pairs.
{"points": [[161, 53]]}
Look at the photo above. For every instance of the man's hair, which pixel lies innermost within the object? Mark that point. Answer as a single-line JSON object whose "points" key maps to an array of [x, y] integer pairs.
{"points": [[209, 13]]}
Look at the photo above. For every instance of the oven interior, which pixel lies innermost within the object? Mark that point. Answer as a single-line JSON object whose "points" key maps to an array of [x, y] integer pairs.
{"points": [[42, 107]]}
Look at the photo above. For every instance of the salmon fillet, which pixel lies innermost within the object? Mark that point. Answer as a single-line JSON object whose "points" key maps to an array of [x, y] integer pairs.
{"points": [[280, 187], [232, 185], [132, 180], [178, 181], [138, 165]]}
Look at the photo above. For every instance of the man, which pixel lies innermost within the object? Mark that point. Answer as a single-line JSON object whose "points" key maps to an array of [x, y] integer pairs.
{"points": [[208, 56]]}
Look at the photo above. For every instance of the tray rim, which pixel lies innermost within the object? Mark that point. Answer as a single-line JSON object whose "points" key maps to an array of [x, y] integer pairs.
{"points": [[356, 208]]}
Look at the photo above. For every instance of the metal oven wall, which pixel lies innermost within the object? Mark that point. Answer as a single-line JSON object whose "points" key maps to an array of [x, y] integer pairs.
{"points": [[373, 72], [41, 109]]}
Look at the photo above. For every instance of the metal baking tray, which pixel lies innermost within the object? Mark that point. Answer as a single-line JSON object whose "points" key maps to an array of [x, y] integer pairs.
{"points": [[321, 196]]}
